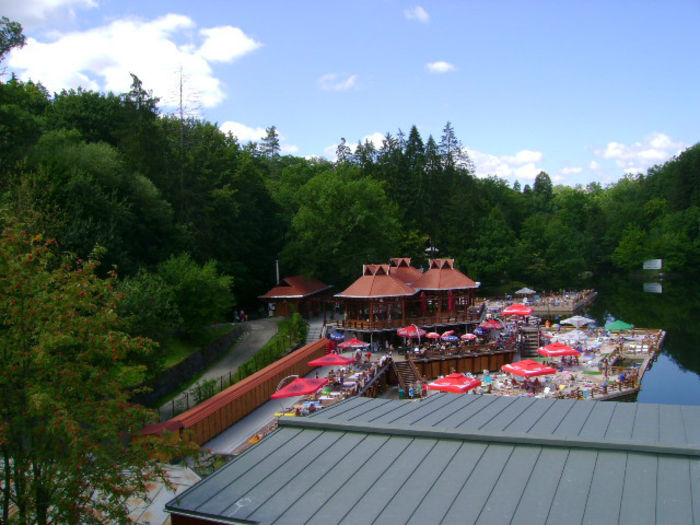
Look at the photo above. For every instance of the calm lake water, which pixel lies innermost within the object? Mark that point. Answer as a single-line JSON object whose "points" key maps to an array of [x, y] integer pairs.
{"points": [[675, 376]]}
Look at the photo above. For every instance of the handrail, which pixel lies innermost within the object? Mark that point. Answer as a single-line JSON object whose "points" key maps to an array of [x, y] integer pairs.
{"points": [[375, 378]]}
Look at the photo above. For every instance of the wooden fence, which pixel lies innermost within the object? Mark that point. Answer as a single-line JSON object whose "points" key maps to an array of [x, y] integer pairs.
{"points": [[216, 414]]}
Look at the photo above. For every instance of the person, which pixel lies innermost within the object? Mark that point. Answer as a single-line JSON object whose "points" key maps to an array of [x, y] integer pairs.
{"points": [[358, 355], [411, 391]]}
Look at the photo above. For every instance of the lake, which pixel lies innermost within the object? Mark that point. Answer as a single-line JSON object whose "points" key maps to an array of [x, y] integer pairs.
{"points": [[675, 376]]}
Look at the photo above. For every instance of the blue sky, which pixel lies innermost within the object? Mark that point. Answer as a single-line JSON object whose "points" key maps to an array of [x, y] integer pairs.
{"points": [[584, 90]]}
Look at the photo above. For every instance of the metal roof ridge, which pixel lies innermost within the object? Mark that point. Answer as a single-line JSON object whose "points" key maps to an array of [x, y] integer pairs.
{"points": [[519, 438]]}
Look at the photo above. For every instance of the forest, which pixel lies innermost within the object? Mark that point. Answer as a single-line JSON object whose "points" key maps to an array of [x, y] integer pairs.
{"points": [[122, 224], [192, 220]]}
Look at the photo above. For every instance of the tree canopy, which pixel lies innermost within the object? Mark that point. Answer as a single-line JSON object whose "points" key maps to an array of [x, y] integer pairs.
{"points": [[70, 439]]}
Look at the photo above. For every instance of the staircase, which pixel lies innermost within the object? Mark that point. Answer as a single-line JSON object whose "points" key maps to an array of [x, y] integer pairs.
{"points": [[406, 373], [315, 331], [530, 341]]}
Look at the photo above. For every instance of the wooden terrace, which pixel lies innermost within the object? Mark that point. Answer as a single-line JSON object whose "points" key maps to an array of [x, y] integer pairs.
{"points": [[446, 319]]}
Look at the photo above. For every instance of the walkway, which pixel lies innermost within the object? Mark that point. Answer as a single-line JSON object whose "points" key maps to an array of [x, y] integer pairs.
{"points": [[256, 334]]}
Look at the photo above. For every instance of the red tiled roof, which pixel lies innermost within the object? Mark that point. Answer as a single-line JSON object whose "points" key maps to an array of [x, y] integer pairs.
{"points": [[376, 281], [401, 269], [295, 288], [442, 275]]}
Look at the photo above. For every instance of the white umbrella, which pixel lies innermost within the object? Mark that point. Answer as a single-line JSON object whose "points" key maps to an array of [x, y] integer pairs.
{"points": [[574, 335], [525, 291], [578, 321]]}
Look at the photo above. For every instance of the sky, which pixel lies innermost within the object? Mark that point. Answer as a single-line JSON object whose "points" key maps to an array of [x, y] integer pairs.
{"points": [[584, 90]]}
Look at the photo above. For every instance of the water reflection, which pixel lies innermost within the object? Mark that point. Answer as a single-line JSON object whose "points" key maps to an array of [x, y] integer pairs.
{"points": [[674, 378]]}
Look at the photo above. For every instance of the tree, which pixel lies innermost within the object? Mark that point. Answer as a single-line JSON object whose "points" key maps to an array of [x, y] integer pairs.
{"points": [[22, 105], [632, 249], [202, 295], [148, 308], [491, 258], [71, 446], [343, 153], [270, 145], [99, 201], [542, 190], [11, 36], [343, 223]]}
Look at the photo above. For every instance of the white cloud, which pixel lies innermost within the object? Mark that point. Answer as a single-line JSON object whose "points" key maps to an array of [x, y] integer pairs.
{"points": [[528, 171], [248, 134], [639, 156], [376, 138], [570, 170], [595, 166], [225, 44], [34, 13], [417, 13], [440, 67], [102, 58], [337, 81], [522, 165], [242, 132], [289, 149]]}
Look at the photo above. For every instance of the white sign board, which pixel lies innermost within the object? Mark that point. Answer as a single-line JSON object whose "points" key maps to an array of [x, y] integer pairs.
{"points": [[652, 264], [653, 288]]}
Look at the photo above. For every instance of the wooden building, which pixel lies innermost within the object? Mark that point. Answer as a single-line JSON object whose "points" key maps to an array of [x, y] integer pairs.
{"points": [[389, 296], [299, 293], [446, 289]]}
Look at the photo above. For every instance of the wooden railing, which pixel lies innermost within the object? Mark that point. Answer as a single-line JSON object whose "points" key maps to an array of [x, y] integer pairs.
{"points": [[428, 320], [216, 414]]}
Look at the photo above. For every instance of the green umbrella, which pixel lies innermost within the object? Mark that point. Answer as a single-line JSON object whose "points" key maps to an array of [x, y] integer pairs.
{"points": [[618, 325]]}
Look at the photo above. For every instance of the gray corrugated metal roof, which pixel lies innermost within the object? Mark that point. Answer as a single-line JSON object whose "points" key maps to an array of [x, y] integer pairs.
{"points": [[465, 459]]}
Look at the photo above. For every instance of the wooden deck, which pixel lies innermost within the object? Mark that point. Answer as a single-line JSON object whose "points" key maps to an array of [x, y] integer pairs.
{"points": [[365, 325]]}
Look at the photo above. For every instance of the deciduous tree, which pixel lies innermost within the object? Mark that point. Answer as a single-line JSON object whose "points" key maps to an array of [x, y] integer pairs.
{"points": [[71, 448]]}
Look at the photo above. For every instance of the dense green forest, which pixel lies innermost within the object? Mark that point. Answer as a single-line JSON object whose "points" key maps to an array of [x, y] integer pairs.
{"points": [[185, 213]]}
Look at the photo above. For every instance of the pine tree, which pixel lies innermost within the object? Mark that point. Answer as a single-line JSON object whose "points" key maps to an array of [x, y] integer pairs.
{"points": [[270, 144]]}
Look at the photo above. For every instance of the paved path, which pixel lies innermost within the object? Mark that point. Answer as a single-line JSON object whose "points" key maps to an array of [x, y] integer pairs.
{"points": [[256, 334]]}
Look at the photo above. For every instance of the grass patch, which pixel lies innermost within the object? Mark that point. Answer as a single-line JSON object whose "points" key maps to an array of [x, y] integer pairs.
{"points": [[179, 348]]}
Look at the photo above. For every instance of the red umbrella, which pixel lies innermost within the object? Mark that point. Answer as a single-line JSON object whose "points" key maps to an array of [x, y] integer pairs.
{"points": [[301, 386], [331, 360], [468, 337], [491, 324], [528, 368], [410, 331], [517, 309], [353, 343], [556, 350], [456, 383], [449, 332], [432, 335]]}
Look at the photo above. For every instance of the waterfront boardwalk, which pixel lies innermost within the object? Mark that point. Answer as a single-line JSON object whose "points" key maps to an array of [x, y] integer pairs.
{"points": [[549, 306], [611, 366]]}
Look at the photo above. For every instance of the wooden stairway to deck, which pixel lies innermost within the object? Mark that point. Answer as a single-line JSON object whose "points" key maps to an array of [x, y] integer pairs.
{"points": [[407, 373], [531, 341]]}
